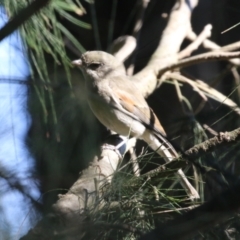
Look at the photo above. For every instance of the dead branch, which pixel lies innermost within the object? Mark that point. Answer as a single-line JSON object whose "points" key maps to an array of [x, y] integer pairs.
{"points": [[208, 44], [206, 33], [231, 47], [166, 53], [222, 140], [123, 47], [86, 194], [210, 56], [210, 145]]}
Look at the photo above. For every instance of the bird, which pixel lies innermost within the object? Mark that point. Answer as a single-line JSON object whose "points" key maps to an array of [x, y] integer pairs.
{"points": [[119, 105]]}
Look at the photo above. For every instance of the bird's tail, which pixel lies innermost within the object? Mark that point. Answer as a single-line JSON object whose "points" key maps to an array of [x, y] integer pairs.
{"points": [[165, 149]]}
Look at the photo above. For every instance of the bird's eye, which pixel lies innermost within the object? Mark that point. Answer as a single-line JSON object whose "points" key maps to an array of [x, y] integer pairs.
{"points": [[94, 66]]}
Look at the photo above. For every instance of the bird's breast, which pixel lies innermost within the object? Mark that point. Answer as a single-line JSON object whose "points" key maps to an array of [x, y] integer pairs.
{"points": [[114, 118], [110, 113]]}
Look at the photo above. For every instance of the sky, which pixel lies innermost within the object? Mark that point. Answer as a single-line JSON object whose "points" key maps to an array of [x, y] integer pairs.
{"points": [[15, 121]]}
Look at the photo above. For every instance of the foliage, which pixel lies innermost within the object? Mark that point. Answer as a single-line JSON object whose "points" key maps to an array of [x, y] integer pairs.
{"points": [[44, 34]]}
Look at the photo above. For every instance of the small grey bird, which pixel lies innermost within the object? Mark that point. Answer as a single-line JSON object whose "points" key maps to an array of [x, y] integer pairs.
{"points": [[118, 104]]}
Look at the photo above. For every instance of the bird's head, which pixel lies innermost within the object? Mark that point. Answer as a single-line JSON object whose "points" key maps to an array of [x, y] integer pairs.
{"points": [[99, 65]]}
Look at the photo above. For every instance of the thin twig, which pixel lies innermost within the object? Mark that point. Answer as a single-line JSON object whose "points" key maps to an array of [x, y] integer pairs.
{"points": [[177, 209], [231, 47], [203, 89], [123, 47], [223, 139], [209, 56], [228, 29], [208, 44], [210, 145], [206, 33], [183, 100], [134, 161], [210, 130]]}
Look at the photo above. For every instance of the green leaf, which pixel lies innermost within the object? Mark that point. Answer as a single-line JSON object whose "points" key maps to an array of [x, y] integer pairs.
{"points": [[71, 37], [74, 20]]}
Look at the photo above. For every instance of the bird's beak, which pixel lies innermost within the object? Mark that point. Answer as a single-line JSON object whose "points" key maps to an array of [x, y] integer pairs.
{"points": [[77, 63]]}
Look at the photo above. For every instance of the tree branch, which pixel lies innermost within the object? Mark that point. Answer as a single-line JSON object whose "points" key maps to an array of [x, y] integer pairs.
{"points": [[206, 33], [210, 56], [166, 53], [208, 44], [222, 140], [21, 17]]}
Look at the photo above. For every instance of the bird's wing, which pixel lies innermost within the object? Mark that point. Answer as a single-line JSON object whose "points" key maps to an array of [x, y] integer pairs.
{"points": [[131, 99]]}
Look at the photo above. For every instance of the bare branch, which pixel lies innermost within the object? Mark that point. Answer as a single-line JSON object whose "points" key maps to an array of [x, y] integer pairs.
{"points": [[210, 56], [210, 130], [223, 139], [206, 33], [208, 44], [231, 47], [123, 47], [166, 53]]}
